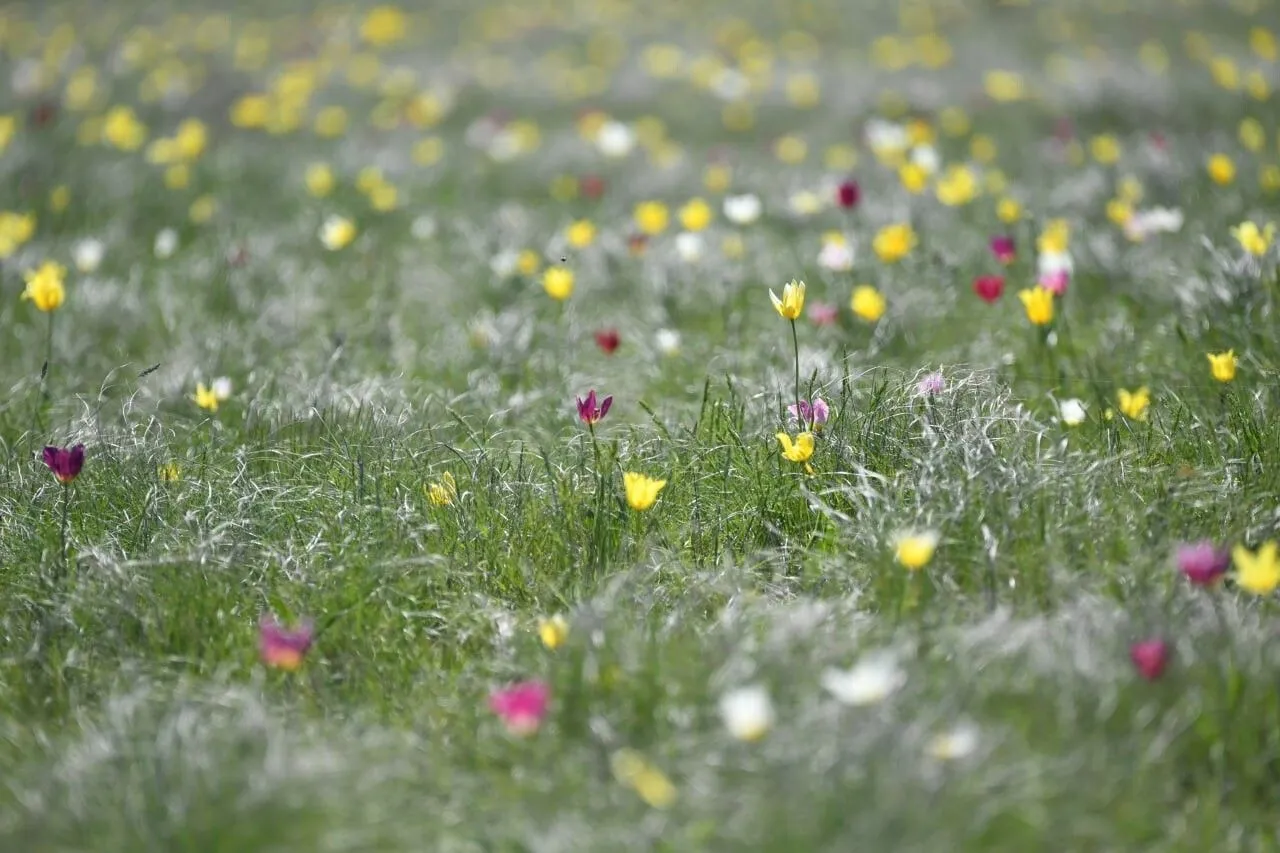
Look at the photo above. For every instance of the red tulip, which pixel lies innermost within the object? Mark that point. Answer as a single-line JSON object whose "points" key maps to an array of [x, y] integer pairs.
{"points": [[608, 340], [848, 194], [988, 287], [1150, 657], [65, 463]]}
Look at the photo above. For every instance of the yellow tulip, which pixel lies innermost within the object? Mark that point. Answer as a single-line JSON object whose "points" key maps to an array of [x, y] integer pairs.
{"points": [[1223, 365], [1038, 302], [792, 301], [641, 491], [799, 450]]}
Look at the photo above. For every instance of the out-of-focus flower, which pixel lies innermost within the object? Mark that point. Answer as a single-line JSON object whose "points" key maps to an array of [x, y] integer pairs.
{"points": [[166, 243], [615, 139], [44, 286], [894, 242], [208, 397], [632, 769], [958, 743], [553, 631], [651, 217], [337, 233], [695, 215], [742, 209], [169, 472], [581, 234], [88, 254], [836, 255], [747, 712], [1254, 239], [1150, 657], [443, 492], [1223, 365], [1257, 572], [1038, 302], [823, 313], [667, 341], [1008, 210], [913, 549], [64, 462], [1134, 404], [1071, 412], [813, 414], [557, 281], [1202, 563], [870, 681], [1157, 220], [931, 383], [522, 706], [689, 246], [988, 287], [282, 648], [867, 303], [384, 25], [319, 179], [608, 340], [848, 194], [1002, 246], [641, 491], [1222, 170]]}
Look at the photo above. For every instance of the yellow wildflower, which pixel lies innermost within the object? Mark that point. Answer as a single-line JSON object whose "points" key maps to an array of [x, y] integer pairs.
{"points": [[1221, 169], [696, 215], [894, 242], [651, 217], [44, 286], [1258, 572], [205, 397], [1008, 210], [1038, 302], [957, 186], [799, 450], [1134, 404], [319, 179], [581, 234], [630, 768], [557, 281], [1254, 240], [337, 232], [914, 549], [641, 491], [867, 303], [1223, 365], [383, 25], [553, 631], [792, 302]]}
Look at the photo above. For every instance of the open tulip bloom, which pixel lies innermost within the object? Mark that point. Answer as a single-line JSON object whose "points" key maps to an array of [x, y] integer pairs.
{"points": [[281, 647], [591, 413]]}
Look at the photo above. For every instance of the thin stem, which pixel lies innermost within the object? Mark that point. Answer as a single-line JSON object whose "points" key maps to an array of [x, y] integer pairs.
{"points": [[795, 347], [48, 355], [62, 533]]}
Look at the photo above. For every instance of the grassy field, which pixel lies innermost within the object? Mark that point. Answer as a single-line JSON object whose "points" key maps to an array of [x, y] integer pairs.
{"points": [[332, 280]]}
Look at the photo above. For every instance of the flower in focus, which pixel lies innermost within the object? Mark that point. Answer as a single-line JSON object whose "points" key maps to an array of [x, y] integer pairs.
{"points": [[747, 712], [1223, 365], [1150, 657], [816, 413], [1134, 404], [608, 340], [799, 450], [894, 242], [1002, 246], [914, 549], [1071, 412], [337, 232], [589, 412], [522, 706], [848, 194], [867, 303], [651, 217], [641, 491], [444, 492], [282, 648], [792, 301], [553, 631], [44, 286], [868, 682], [1258, 572], [631, 768], [1203, 563], [988, 287], [65, 463], [1254, 240], [1221, 169], [557, 281]]}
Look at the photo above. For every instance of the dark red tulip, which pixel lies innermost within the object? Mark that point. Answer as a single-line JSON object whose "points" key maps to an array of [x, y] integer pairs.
{"points": [[65, 463], [988, 287], [848, 193], [608, 340], [1150, 657], [1002, 246]]}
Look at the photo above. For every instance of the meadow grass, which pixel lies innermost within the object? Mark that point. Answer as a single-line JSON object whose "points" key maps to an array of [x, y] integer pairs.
{"points": [[136, 712]]}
